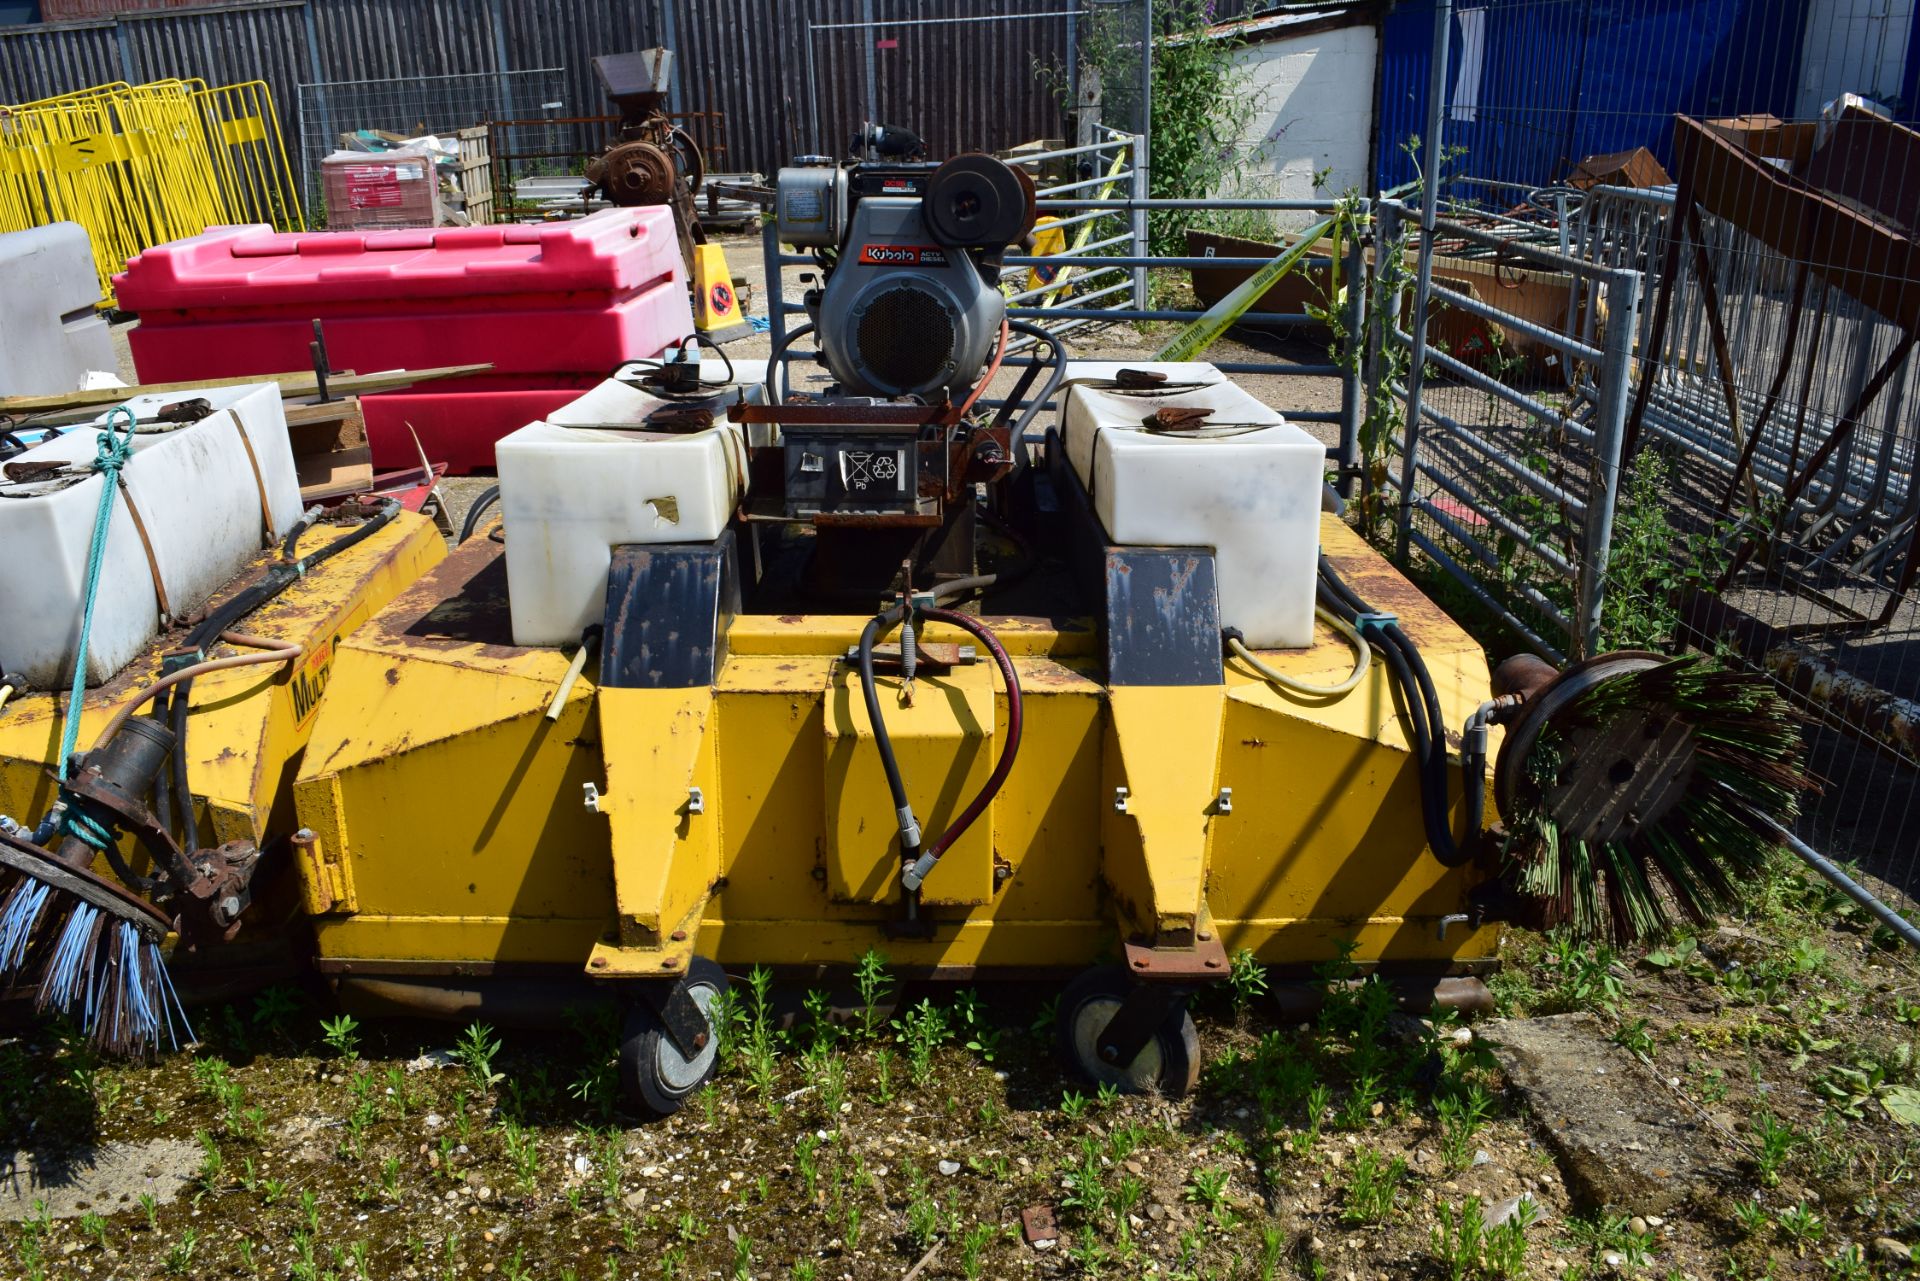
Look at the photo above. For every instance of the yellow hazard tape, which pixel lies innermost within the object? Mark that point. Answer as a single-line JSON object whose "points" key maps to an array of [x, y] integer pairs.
{"points": [[1202, 333]]}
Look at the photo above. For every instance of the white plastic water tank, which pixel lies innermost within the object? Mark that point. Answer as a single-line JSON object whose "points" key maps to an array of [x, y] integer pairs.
{"points": [[592, 476], [1247, 485], [197, 495], [51, 334]]}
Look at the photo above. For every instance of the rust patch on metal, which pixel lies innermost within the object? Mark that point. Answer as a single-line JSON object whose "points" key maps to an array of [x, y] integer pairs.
{"points": [[1204, 962]]}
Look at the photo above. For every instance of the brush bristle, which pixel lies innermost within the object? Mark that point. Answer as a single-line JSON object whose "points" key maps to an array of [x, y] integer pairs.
{"points": [[1694, 861], [103, 972]]}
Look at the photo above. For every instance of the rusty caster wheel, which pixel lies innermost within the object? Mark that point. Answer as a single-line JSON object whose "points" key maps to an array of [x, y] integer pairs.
{"points": [[1167, 1063], [659, 1072]]}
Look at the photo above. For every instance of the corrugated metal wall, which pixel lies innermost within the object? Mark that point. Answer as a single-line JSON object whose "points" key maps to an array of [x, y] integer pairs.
{"points": [[962, 85]]}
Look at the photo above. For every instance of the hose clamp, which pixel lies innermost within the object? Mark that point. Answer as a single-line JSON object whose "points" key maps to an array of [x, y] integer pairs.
{"points": [[1369, 623]]}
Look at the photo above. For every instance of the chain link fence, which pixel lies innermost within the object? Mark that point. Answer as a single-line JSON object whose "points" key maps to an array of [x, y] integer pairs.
{"points": [[535, 101]]}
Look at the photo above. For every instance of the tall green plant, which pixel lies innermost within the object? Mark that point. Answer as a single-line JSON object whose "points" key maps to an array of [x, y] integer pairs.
{"points": [[1201, 105], [1200, 109]]}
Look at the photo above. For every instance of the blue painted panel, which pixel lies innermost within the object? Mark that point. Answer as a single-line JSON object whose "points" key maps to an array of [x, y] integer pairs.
{"points": [[1571, 78]]}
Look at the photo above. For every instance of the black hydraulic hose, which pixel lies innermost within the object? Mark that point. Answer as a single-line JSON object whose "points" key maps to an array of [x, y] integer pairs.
{"points": [[870, 692], [776, 365], [281, 576], [291, 542], [1425, 722], [487, 498], [1055, 376]]}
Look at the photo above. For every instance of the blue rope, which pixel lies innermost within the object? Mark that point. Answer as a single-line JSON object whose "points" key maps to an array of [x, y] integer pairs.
{"points": [[111, 453]]}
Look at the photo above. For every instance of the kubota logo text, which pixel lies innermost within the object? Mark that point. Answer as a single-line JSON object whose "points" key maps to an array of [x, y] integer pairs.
{"points": [[903, 256]]}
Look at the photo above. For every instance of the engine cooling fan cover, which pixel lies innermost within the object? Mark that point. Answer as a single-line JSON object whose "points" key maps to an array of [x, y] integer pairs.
{"points": [[904, 333]]}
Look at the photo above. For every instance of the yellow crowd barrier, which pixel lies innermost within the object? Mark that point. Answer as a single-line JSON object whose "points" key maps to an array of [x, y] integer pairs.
{"points": [[139, 165]]}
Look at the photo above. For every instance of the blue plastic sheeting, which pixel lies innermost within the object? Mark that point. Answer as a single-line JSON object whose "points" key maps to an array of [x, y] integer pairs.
{"points": [[1560, 80]]}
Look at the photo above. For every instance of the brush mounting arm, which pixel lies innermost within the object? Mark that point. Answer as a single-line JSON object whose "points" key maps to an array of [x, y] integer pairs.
{"points": [[108, 786]]}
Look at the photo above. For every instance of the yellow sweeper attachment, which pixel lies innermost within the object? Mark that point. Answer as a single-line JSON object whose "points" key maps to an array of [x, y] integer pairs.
{"points": [[746, 678], [743, 678]]}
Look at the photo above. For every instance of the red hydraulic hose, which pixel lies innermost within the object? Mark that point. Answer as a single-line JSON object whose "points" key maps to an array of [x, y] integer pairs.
{"points": [[1004, 766], [999, 354]]}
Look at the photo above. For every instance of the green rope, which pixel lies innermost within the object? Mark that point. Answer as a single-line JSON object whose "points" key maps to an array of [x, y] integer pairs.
{"points": [[111, 453]]}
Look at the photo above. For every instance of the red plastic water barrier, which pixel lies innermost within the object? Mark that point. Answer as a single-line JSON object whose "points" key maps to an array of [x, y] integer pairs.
{"points": [[552, 307]]}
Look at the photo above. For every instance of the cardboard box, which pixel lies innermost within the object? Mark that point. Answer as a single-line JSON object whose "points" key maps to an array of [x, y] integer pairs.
{"points": [[370, 191]]}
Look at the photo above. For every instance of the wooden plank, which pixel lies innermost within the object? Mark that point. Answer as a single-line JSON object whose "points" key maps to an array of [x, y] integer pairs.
{"points": [[334, 475], [326, 428], [295, 384]]}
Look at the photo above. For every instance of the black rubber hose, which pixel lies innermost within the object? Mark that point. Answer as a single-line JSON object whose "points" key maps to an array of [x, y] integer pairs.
{"points": [[1425, 722], [776, 366], [182, 790], [1055, 376], [486, 499], [870, 692], [291, 542]]}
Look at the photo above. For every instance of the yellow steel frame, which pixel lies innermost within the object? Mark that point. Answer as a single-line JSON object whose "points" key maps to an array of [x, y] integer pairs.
{"points": [[743, 821], [246, 729]]}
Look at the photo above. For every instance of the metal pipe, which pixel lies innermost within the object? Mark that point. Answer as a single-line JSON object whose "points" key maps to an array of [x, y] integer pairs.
{"points": [[1081, 279], [1352, 391], [1494, 516], [1135, 313], [1846, 884], [1116, 141], [1423, 280], [1494, 387], [1539, 333], [1492, 560], [1603, 486], [1493, 453], [1147, 260], [773, 280], [1079, 184], [1473, 588], [1123, 203], [1546, 258]]}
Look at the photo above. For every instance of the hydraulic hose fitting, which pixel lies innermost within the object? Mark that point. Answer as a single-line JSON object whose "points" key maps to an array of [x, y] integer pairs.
{"points": [[915, 872]]}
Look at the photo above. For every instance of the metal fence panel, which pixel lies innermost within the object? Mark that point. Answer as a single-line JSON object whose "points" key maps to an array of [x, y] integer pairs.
{"points": [[1767, 500]]}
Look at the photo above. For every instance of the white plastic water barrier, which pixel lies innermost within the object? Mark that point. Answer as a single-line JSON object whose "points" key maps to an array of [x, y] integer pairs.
{"points": [[51, 334], [198, 497], [594, 475], [1247, 484]]}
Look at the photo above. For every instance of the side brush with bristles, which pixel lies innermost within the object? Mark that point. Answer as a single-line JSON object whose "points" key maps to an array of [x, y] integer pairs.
{"points": [[85, 945], [1646, 791]]}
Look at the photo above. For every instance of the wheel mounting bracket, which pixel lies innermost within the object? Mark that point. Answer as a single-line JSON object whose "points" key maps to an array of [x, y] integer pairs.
{"points": [[685, 1025], [1142, 1012]]}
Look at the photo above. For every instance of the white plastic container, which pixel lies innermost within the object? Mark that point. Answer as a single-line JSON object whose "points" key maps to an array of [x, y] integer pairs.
{"points": [[197, 495], [1249, 488], [591, 477], [51, 335]]}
